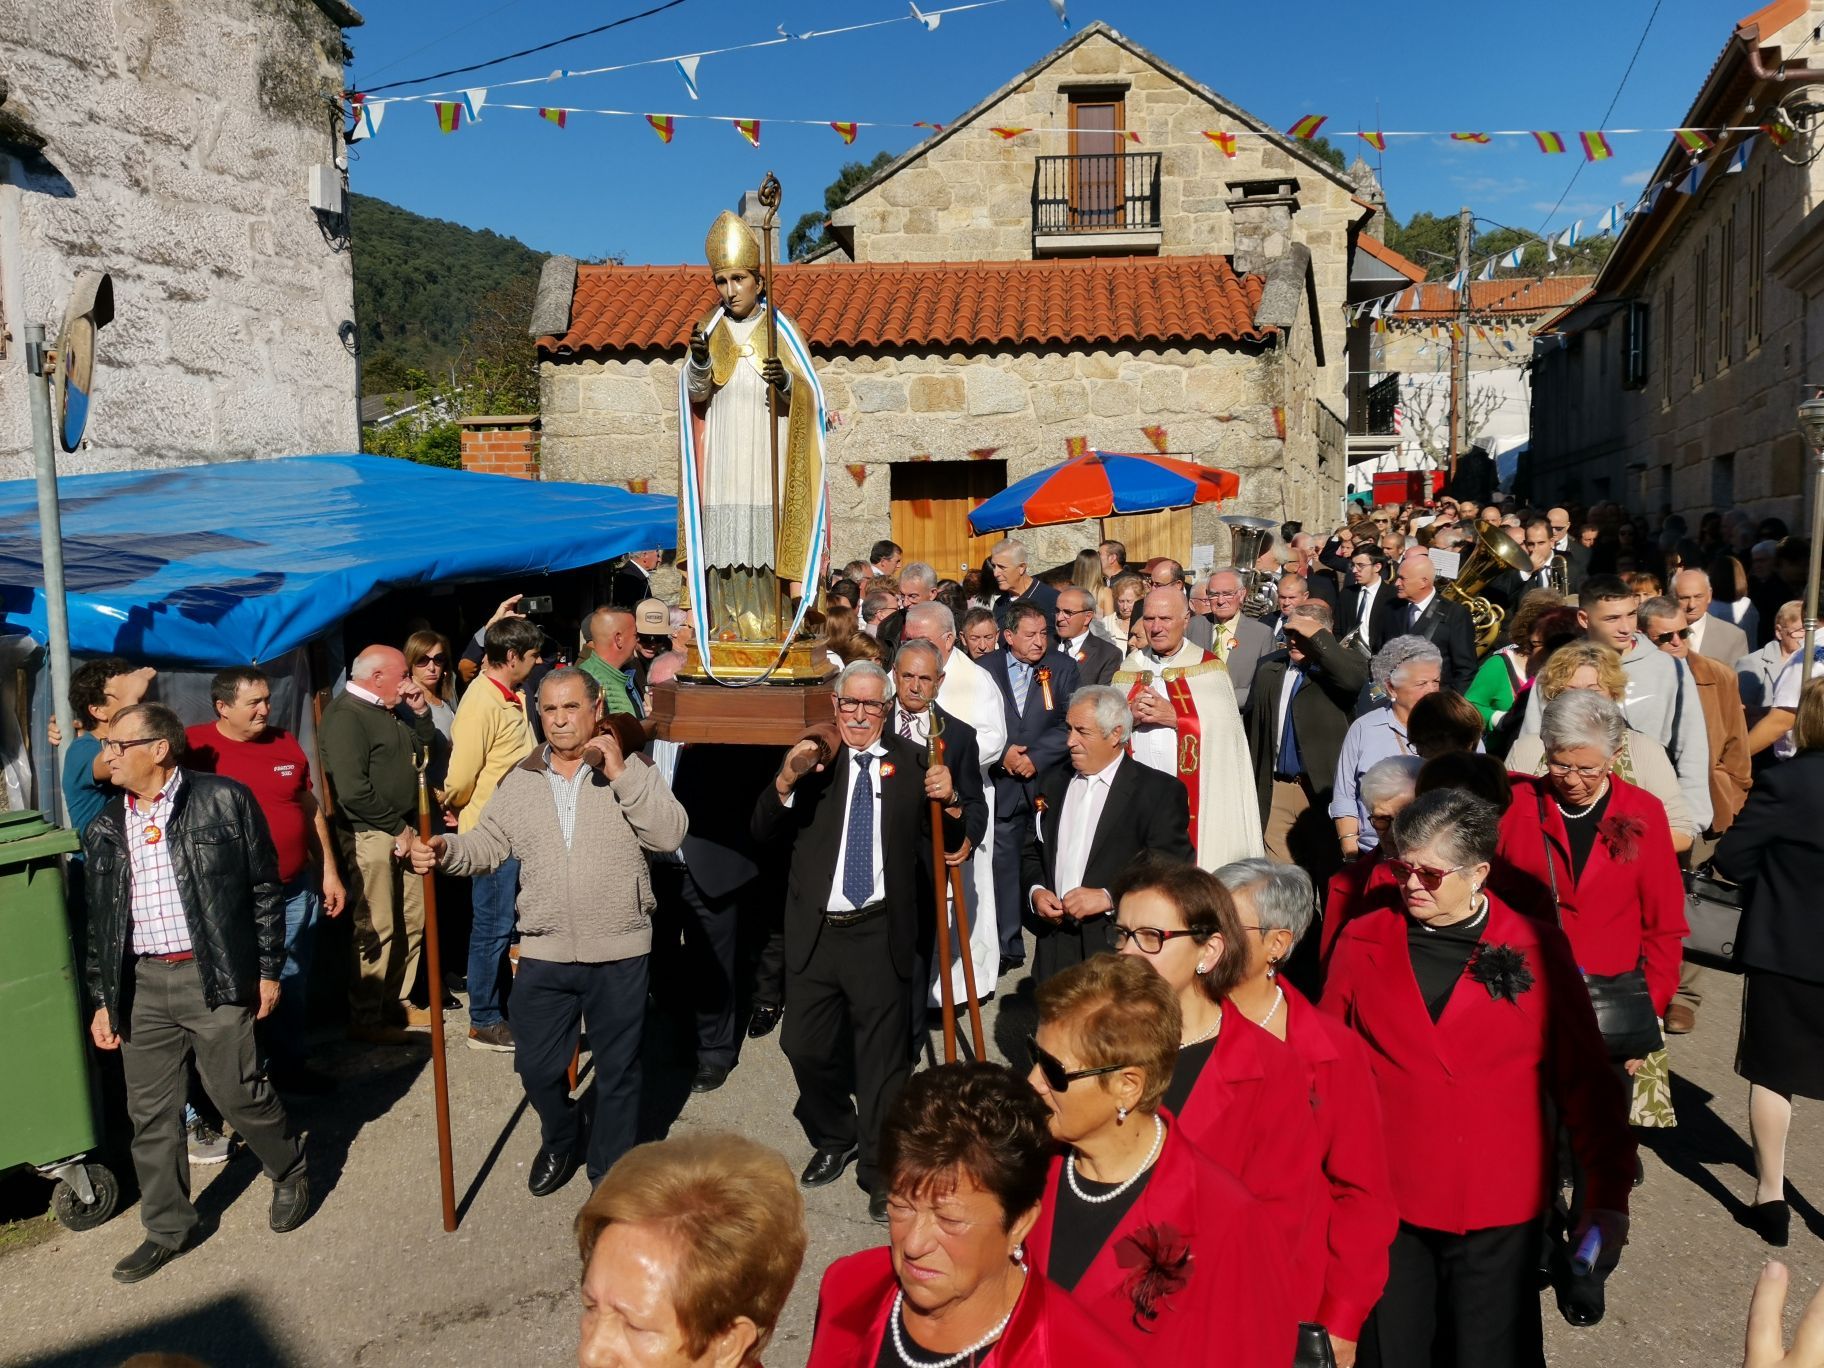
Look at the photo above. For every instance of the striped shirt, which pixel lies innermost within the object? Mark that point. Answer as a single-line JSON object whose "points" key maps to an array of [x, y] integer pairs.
{"points": [[564, 794], [157, 907]]}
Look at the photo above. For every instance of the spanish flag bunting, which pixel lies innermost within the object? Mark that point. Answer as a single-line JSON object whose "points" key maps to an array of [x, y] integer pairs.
{"points": [[664, 125], [1380, 325], [982, 453], [1595, 146], [1132, 136], [1469, 137], [1226, 141], [1377, 141], [749, 129], [1456, 332], [1306, 128], [1076, 446], [449, 115], [560, 117], [1481, 333], [858, 472], [1434, 332], [1693, 140], [1549, 142], [934, 127], [1778, 132], [845, 131], [1156, 435], [1008, 134]]}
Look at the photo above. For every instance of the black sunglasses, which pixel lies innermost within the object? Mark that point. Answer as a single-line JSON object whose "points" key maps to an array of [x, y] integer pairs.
{"points": [[1056, 1076], [1667, 638]]}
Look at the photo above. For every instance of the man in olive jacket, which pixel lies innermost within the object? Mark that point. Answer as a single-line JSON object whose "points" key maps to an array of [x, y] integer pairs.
{"points": [[579, 816], [186, 944]]}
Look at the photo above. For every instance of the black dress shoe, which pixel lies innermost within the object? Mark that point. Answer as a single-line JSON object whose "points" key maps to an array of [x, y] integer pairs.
{"points": [[290, 1204], [764, 1020], [1772, 1221], [877, 1207], [709, 1077], [551, 1170], [143, 1262], [827, 1164]]}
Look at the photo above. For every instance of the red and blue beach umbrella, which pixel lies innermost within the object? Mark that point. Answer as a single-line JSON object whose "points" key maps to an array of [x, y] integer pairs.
{"points": [[1100, 484]]}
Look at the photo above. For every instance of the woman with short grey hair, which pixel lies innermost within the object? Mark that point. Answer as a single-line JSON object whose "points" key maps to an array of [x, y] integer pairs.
{"points": [[1398, 656], [1477, 1026], [1338, 1262], [1405, 670]]}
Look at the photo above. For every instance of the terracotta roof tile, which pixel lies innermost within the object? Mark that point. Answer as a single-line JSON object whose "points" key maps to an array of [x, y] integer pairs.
{"points": [[1130, 301], [1512, 297], [1384, 254]]}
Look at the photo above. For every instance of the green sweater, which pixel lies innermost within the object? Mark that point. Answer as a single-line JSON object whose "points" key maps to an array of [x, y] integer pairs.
{"points": [[1492, 690], [368, 763]]}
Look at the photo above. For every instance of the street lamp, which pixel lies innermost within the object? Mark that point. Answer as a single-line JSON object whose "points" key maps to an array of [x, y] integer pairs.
{"points": [[1811, 428]]}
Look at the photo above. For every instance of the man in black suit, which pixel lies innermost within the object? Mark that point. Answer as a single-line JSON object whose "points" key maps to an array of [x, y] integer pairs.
{"points": [[1036, 681], [1361, 601], [1422, 612], [852, 804], [1099, 816], [1510, 586], [1015, 582], [632, 579], [1302, 703], [1576, 554], [1096, 660]]}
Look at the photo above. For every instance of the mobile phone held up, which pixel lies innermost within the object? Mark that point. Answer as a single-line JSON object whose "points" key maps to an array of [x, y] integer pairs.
{"points": [[535, 605]]}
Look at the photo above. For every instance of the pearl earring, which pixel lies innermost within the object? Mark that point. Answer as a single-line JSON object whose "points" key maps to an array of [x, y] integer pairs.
{"points": [[1019, 1255], [1120, 1115]]}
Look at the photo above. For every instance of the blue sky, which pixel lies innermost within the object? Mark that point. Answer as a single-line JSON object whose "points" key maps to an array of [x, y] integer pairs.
{"points": [[607, 185]]}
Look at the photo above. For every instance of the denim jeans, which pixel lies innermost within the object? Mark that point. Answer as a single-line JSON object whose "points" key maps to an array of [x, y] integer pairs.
{"points": [[282, 1035], [493, 896]]}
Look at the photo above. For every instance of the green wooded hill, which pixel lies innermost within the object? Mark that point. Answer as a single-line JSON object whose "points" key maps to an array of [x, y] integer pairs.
{"points": [[417, 284]]}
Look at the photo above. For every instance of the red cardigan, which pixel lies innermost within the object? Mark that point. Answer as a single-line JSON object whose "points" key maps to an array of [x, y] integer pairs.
{"points": [[1234, 1308], [1628, 904], [1340, 1267], [1464, 1101], [1048, 1329], [1250, 1111]]}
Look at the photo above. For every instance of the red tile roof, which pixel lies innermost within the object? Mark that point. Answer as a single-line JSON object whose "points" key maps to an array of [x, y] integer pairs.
{"points": [[1129, 301], [1384, 254], [1511, 297]]}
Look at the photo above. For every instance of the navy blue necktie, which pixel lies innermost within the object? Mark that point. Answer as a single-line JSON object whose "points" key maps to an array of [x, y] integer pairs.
{"points": [[858, 849], [1290, 766]]}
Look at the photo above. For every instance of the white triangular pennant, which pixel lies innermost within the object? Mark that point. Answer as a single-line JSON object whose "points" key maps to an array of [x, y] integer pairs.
{"points": [[687, 68]]}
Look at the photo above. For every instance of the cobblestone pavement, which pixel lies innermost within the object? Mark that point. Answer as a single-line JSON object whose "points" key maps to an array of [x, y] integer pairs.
{"points": [[373, 1281]]}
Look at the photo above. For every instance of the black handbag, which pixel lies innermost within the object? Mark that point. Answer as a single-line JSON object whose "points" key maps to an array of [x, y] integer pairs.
{"points": [[1314, 1349], [1624, 1008], [1713, 912]]}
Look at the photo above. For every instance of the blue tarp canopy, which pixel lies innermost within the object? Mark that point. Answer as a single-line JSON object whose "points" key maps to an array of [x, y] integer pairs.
{"points": [[241, 561]]}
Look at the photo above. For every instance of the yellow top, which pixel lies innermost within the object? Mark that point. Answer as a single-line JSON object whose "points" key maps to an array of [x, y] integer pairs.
{"points": [[489, 736]]}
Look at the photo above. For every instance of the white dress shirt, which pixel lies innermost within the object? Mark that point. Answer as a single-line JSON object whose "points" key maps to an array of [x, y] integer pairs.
{"points": [[1367, 612], [1414, 611], [838, 901], [1084, 798], [1696, 640]]}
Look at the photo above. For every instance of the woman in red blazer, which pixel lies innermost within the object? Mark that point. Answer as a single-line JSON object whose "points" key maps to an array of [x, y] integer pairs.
{"points": [[1362, 884], [1482, 1040], [1604, 846], [1160, 1244], [1340, 1266], [965, 1152], [1237, 1093]]}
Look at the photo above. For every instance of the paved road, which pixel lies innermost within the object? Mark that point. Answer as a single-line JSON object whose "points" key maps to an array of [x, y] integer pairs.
{"points": [[373, 1281]]}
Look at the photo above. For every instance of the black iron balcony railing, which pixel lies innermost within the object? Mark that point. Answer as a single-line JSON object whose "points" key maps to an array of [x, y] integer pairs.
{"points": [[1096, 192], [1371, 406]]}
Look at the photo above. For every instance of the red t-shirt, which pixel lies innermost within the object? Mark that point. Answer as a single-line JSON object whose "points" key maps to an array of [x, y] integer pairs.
{"points": [[274, 767]]}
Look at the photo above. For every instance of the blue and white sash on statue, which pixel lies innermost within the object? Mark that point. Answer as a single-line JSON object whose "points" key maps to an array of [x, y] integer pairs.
{"points": [[690, 502]]}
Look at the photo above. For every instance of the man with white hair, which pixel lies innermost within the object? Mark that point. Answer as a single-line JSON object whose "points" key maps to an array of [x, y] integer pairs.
{"points": [[1098, 816], [1187, 723], [1015, 582], [970, 693], [1238, 641], [917, 584], [1712, 637]]}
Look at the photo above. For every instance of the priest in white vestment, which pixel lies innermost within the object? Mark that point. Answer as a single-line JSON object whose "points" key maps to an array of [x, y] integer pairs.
{"points": [[1187, 724]]}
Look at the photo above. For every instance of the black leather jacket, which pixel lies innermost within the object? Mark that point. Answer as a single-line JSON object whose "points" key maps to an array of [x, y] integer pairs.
{"points": [[228, 877]]}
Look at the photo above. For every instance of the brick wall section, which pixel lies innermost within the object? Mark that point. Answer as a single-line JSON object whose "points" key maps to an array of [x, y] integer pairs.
{"points": [[501, 444]]}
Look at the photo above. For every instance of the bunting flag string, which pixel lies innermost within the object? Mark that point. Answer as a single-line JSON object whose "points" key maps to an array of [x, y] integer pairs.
{"points": [[845, 131], [1008, 134], [687, 68], [749, 129], [1469, 137], [560, 117], [1306, 128], [1375, 140], [663, 125], [1225, 141], [449, 115], [1157, 436], [472, 101], [1595, 146], [1549, 142]]}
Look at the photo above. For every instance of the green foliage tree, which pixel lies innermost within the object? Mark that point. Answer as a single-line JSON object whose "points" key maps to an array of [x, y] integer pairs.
{"points": [[806, 235], [1329, 151]]}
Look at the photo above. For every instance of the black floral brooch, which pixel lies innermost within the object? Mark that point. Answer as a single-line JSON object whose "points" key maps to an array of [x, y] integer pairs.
{"points": [[1160, 1260], [1622, 836], [1502, 970]]}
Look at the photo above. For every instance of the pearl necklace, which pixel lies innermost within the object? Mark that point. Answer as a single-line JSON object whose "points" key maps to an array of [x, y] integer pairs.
{"points": [[899, 1342], [1279, 997], [1070, 1170], [1207, 1035], [1578, 816]]}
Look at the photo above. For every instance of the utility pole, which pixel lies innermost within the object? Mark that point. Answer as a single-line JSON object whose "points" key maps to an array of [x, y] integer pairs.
{"points": [[50, 539], [1459, 347]]}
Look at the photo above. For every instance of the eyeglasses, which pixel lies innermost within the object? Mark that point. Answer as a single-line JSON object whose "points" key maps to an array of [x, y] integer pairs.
{"points": [[1667, 638], [1559, 771], [1052, 1069], [1559, 528], [867, 707], [437, 660], [114, 747], [1150, 939], [1076, 612], [1429, 879]]}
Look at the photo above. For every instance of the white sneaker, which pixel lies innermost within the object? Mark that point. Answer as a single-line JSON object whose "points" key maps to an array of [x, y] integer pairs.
{"points": [[207, 1145]]}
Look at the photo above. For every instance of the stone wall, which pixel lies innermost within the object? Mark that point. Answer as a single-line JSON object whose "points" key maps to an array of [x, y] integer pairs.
{"points": [[615, 421], [179, 142]]}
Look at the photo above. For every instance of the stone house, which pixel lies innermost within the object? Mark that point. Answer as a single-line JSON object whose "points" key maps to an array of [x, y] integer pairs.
{"points": [[1105, 270], [1674, 385], [174, 146]]}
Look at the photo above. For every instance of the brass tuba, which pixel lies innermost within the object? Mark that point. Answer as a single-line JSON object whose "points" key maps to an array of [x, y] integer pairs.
{"points": [[1248, 539], [1494, 552]]}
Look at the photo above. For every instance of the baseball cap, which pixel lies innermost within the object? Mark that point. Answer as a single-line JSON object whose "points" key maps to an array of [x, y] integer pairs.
{"points": [[651, 618]]}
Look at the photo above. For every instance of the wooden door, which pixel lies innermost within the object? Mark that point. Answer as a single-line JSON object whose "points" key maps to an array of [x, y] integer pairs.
{"points": [[1156, 534], [1098, 196], [931, 502]]}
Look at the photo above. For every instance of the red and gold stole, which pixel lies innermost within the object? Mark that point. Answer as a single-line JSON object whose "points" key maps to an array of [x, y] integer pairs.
{"points": [[1189, 727]]}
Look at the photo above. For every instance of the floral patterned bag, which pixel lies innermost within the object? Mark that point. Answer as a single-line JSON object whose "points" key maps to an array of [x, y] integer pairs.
{"points": [[1651, 1102]]}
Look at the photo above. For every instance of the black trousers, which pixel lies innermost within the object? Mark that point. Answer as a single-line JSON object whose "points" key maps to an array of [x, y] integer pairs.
{"points": [[693, 959], [1010, 827], [1058, 946], [549, 1000], [845, 1037], [1458, 1301]]}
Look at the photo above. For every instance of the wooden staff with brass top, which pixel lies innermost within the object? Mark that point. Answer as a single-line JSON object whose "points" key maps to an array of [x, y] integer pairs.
{"points": [[954, 883], [433, 963], [770, 192]]}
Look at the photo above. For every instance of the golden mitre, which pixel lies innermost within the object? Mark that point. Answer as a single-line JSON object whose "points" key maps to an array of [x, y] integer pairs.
{"points": [[731, 244]]}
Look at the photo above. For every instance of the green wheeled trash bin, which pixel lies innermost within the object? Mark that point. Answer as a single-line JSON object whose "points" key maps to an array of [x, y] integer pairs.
{"points": [[48, 1122]]}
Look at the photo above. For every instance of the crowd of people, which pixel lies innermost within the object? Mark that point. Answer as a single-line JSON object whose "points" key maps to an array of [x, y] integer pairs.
{"points": [[1356, 935]]}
